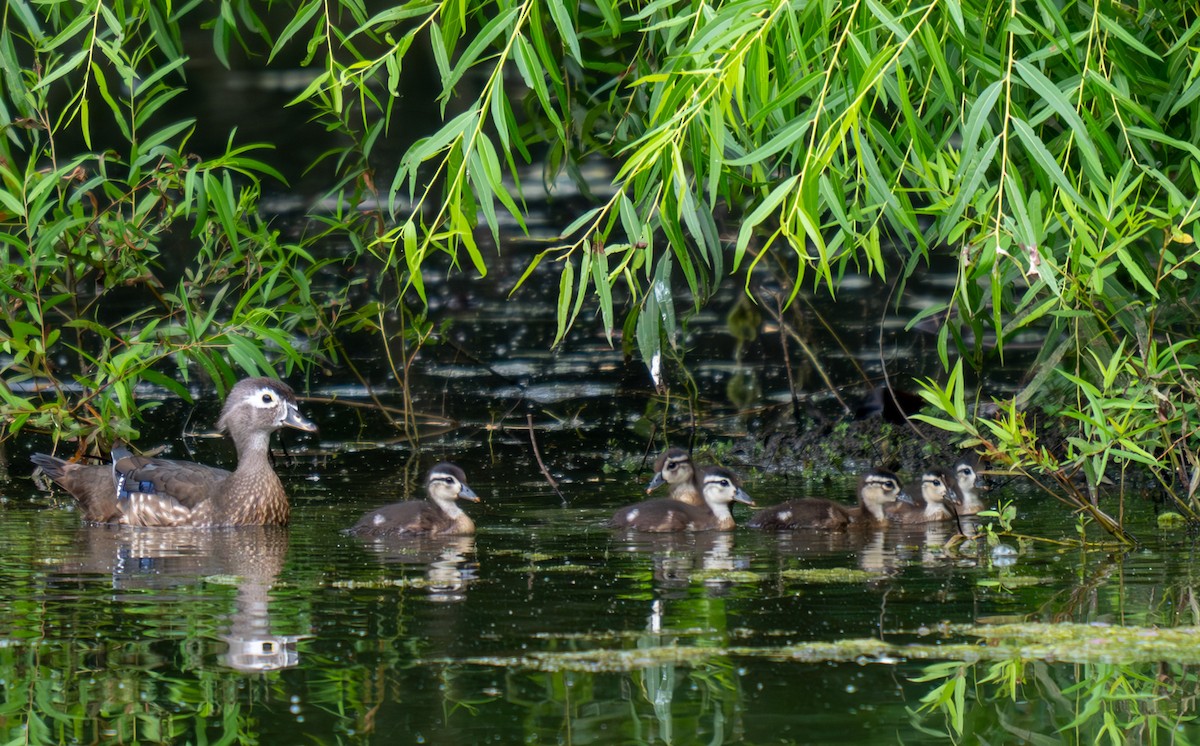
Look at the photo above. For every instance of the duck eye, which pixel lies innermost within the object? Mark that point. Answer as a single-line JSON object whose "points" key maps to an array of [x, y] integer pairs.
{"points": [[267, 399]]}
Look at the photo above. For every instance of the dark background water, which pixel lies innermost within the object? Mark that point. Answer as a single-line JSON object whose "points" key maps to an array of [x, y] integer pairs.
{"points": [[545, 627]]}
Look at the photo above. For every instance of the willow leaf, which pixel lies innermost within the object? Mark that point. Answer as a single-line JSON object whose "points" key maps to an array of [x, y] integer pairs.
{"points": [[1042, 156], [760, 213], [1055, 99]]}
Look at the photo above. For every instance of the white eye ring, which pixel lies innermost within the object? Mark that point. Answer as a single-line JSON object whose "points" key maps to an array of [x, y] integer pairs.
{"points": [[264, 399]]}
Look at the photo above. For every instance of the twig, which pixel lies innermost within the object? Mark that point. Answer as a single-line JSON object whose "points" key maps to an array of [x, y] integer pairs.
{"points": [[887, 378], [787, 362], [379, 406], [812, 358], [538, 456]]}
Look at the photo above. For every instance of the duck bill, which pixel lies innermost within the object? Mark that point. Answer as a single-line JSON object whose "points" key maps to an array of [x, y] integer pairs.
{"points": [[904, 497], [657, 481], [466, 493], [293, 418], [742, 497]]}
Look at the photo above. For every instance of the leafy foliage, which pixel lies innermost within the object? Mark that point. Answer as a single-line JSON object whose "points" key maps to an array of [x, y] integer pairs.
{"points": [[1049, 149]]}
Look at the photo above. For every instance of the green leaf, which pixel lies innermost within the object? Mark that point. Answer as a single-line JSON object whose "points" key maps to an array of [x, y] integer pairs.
{"points": [[1037, 150], [566, 283], [301, 19], [1117, 30], [565, 26], [761, 212], [1055, 99], [486, 35]]}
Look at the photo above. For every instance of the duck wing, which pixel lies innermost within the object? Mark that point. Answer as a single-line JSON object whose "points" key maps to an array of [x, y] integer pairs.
{"points": [[659, 516], [164, 492], [408, 517], [809, 512]]}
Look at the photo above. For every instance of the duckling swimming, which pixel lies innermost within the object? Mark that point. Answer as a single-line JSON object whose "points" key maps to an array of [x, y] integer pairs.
{"points": [[937, 491], [439, 515], [877, 489], [720, 489], [969, 485], [674, 467]]}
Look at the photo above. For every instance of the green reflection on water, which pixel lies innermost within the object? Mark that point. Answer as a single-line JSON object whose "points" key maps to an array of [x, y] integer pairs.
{"points": [[556, 631]]}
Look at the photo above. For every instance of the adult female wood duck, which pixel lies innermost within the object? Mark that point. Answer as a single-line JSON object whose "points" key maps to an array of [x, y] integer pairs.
{"points": [[970, 485], [439, 515], [936, 503], [142, 491], [877, 489], [674, 467], [720, 489]]}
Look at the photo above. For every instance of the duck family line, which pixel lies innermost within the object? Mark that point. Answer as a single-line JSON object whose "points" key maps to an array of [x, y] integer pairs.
{"points": [[143, 491]]}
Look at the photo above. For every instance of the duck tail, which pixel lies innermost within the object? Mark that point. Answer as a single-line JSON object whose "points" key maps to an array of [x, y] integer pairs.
{"points": [[52, 465]]}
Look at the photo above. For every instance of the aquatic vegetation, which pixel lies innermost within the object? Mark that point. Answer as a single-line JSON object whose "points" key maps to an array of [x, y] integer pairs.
{"points": [[718, 575], [563, 568], [828, 575]]}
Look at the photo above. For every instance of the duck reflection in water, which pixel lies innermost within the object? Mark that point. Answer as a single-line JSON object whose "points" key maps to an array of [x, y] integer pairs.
{"points": [[158, 560], [449, 561], [678, 560]]}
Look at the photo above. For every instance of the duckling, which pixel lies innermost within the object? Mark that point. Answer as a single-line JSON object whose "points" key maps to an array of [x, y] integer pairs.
{"points": [[141, 491], [439, 515], [937, 496], [969, 484], [720, 489], [674, 467], [805, 512], [877, 489]]}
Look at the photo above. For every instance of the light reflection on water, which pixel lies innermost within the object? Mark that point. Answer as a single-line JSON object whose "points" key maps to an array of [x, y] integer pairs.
{"points": [[544, 627]]}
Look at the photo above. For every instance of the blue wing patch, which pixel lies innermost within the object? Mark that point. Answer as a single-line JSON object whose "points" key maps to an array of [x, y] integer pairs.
{"points": [[125, 488]]}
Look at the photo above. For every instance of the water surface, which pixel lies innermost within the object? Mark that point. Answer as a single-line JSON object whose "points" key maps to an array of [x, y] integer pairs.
{"points": [[545, 627]]}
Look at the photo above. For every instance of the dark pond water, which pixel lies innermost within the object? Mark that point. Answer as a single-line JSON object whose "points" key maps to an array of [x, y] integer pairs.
{"points": [[544, 627]]}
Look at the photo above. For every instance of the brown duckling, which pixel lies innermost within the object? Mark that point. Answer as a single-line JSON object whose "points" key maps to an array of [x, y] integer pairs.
{"points": [[142, 491], [877, 489], [720, 489], [675, 468], [938, 496], [439, 515], [969, 485]]}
